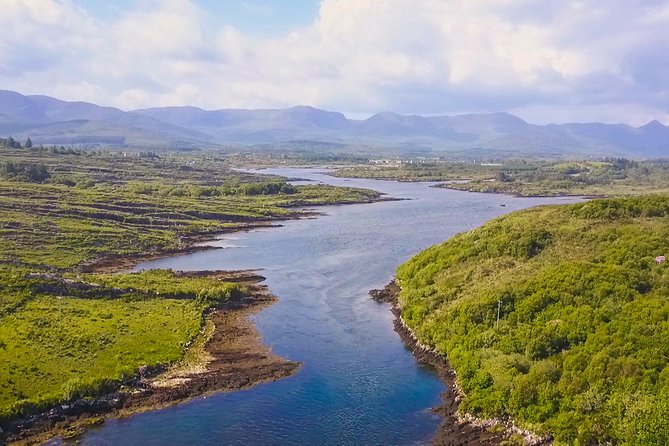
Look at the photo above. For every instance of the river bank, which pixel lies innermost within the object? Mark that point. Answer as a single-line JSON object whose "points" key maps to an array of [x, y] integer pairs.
{"points": [[232, 357], [194, 242], [229, 365], [460, 186], [227, 355], [456, 429]]}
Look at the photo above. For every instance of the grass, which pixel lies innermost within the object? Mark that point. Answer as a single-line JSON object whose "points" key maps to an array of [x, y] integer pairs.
{"points": [[62, 338], [83, 345], [64, 225]]}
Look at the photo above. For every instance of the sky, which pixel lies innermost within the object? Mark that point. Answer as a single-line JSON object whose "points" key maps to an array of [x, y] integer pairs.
{"points": [[543, 60]]}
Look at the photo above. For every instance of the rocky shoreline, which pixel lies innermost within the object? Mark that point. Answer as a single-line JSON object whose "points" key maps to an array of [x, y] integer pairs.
{"points": [[456, 429], [230, 356]]}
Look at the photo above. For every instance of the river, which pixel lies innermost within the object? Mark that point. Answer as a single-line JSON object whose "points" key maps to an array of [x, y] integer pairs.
{"points": [[358, 384]]}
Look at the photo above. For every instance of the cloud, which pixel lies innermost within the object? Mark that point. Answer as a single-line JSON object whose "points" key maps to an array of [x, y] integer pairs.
{"points": [[571, 60], [36, 35]]}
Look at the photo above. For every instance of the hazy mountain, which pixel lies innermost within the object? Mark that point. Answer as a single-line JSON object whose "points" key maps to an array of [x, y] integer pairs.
{"points": [[52, 121], [252, 126], [20, 109], [57, 110]]}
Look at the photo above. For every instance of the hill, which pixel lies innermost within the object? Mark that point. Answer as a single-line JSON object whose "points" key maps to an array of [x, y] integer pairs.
{"points": [[579, 349], [52, 121]]}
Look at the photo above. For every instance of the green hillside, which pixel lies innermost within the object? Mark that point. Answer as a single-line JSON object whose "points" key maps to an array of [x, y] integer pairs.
{"points": [[582, 343]]}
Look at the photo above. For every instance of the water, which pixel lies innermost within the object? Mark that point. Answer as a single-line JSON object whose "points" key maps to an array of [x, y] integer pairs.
{"points": [[358, 385]]}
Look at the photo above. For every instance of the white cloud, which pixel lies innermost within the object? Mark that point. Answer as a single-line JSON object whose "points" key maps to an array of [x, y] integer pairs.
{"points": [[572, 60]]}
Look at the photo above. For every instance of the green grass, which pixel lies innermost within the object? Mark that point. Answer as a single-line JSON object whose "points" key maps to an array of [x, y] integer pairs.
{"points": [[59, 225], [167, 283], [83, 345], [64, 341], [418, 172], [581, 348]]}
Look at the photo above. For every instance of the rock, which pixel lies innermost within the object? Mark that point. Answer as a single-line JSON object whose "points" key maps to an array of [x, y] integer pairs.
{"points": [[387, 294]]}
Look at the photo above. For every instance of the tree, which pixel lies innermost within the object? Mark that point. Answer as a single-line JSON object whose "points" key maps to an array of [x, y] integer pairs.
{"points": [[503, 177], [34, 173], [28, 143]]}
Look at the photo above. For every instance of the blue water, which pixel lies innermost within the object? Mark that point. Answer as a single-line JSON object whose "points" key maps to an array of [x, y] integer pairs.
{"points": [[358, 385]]}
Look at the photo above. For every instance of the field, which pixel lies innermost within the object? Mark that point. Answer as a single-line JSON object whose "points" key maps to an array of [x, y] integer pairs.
{"points": [[608, 177], [101, 204], [66, 332], [556, 317]]}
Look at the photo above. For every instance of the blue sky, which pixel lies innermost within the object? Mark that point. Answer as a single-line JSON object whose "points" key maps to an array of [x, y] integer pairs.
{"points": [[566, 61], [259, 17]]}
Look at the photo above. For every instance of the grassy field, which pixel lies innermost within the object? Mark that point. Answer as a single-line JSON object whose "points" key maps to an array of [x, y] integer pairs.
{"points": [[612, 177], [580, 349], [63, 338], [89, 207], [66, 334]]}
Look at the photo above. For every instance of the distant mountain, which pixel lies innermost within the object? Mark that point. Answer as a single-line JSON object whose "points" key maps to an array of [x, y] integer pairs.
{"points": [[21, 109], [253, 126], [51, 121], [57, 110]]}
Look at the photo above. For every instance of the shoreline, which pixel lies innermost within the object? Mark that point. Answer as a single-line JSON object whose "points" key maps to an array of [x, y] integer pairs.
{"points": [[188, 245], [227, 355], [71, 419], [520, 195], [456, 429], [197, 242], [444, 184]]}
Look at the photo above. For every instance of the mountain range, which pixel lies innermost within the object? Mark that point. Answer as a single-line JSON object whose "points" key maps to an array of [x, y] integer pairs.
{"points": [[47, 120]]}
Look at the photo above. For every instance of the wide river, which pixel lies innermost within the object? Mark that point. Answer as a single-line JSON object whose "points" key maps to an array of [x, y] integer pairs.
{"points": [[358, 384]]}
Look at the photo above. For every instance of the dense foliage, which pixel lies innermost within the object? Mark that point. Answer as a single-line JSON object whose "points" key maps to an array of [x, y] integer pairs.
{"points": [[11, 143], [580, 347], [35, 173]]}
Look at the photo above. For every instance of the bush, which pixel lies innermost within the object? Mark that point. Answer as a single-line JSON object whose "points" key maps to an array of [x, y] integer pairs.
{"points": [[34, 173]]}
